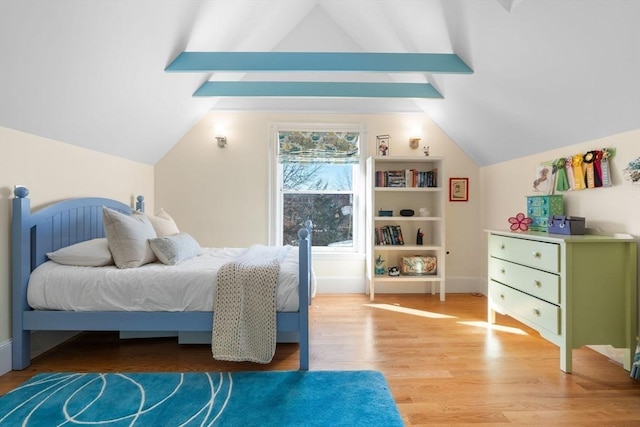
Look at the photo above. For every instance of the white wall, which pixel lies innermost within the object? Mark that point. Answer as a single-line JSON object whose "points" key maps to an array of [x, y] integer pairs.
{"points": [[221, 196], [54, 171]]}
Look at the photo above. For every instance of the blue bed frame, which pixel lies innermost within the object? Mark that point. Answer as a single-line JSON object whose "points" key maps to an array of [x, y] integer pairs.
{"points": [[76, 220]]}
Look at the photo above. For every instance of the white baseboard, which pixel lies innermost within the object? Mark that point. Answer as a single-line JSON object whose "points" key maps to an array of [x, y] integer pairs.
{"points": [[5, 357], [483, 283], [617, 355], [41, 341], [340, 285]]}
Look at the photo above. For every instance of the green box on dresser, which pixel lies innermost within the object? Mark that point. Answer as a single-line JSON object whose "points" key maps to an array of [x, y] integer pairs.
{"points": [[540, 208], [575, 290]]}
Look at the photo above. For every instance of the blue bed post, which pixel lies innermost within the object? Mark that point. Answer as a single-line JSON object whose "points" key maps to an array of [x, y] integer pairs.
{"points": [[140, 204], [304, 246], [20, 270]]}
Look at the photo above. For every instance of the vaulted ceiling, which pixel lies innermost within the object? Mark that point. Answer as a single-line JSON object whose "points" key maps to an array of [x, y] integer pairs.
{"points": [[546, 73]]}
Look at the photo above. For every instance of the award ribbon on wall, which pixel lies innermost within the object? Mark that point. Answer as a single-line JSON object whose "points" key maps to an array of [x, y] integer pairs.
{"points": [[562, 183], [568, 166], [604, 166], [597, 165], [590, 169], [589, 178], [578, 175]]}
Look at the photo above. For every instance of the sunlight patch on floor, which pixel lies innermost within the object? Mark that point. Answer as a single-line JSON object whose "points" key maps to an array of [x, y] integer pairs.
{"points": [[486, 325], [411, 311]]}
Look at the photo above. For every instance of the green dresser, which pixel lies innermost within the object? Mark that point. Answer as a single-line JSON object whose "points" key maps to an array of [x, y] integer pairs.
{"points": [[574, 290]]}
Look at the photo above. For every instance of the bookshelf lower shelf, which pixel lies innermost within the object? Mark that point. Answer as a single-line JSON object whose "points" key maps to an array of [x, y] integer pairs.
{"points": [[425, 278], [412, 248], [410, 284]]}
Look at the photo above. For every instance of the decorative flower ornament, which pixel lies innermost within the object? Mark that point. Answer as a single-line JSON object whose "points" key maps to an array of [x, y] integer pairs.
{"points": [[632, 172], [520, 222]]}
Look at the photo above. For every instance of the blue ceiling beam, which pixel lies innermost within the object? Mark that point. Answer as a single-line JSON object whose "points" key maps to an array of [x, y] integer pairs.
{"points": [[447, 63], [317, 89]]}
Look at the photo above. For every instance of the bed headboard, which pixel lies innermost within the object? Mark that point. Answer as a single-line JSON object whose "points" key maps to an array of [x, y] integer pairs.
{"points": [[61, 224]]}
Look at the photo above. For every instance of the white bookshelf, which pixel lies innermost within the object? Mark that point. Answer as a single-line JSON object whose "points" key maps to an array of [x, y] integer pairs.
{"points": [[395, 199]]}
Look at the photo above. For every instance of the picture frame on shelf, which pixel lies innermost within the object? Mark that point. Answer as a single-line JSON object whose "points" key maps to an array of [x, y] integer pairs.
{"points": [[458, 189], [383, 142]]}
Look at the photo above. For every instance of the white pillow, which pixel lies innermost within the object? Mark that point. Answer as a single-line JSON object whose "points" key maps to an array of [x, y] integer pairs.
{"points": [[171, 250], [128, 237], [163, 224], [91, 253]]}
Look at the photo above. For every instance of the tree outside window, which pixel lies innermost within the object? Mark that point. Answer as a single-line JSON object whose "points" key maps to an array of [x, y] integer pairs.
{"points": [[320, 189]]}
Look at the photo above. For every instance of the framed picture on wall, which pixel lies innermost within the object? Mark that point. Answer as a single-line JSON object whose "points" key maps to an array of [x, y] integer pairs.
{"points": [[458, 189], [383, 143]]}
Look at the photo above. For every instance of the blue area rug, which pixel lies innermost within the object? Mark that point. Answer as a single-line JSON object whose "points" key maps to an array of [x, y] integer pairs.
{"points": [[290, 398]]}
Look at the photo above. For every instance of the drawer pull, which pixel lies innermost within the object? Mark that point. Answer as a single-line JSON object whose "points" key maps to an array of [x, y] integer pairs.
{"points": [[502, 246], [536, 312], [501, 296], [537, 255], [537, 283], [502, 270]]}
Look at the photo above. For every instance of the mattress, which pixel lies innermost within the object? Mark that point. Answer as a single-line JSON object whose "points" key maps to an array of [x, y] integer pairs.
{"points": [[187, 286]]}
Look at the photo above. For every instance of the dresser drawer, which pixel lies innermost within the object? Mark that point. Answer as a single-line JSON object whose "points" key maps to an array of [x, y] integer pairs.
{"points": [[541, 255], [530, 280], [528, 308]]}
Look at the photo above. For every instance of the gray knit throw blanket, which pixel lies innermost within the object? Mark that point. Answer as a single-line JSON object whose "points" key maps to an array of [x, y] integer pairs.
{"points": [[244, 325]]}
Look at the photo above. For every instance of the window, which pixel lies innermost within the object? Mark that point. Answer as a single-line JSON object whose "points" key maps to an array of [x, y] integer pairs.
{"points": [[317, 177]]}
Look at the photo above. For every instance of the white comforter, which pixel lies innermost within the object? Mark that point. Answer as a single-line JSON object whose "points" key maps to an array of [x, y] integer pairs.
{"points": [[188, 286]]}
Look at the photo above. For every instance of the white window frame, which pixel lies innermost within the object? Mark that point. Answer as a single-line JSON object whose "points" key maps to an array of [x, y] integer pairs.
{"points": [[359, 186]]}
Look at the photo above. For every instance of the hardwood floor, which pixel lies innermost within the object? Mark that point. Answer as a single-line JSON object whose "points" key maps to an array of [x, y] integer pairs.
{"points": [[443, 365]]}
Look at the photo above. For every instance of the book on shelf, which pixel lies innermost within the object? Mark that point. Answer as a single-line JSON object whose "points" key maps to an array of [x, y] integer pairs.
{"points": [[395, 179], [407, 178], [398, 234], [388, 235]]}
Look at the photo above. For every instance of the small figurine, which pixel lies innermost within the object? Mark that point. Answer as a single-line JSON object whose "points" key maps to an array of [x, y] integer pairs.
{"points": [[425, 150], [393, 271], [419, 236], [379, 265]]}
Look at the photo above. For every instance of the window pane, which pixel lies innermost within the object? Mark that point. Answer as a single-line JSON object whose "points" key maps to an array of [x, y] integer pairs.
{"points": [[331, 215], [317, 176]]}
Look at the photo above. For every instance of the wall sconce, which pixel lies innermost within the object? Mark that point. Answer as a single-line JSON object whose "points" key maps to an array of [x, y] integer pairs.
{"points": [[414, 139], [222, 141], [219, 135]]}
